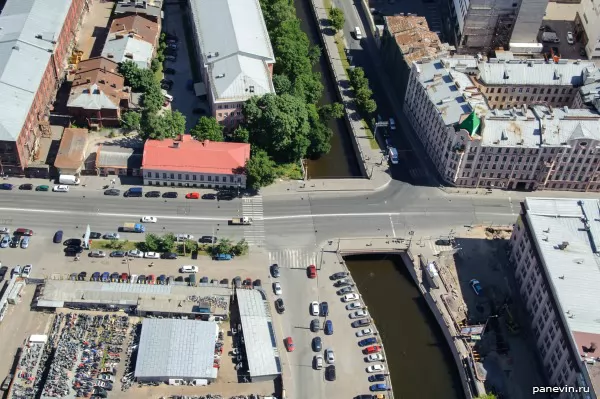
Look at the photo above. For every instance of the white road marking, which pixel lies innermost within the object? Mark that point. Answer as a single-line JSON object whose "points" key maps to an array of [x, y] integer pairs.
{"points": [[392, 223]]}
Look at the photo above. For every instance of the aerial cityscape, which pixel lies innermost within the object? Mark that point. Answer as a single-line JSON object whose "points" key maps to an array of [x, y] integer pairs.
{"points": [[272, 199]]}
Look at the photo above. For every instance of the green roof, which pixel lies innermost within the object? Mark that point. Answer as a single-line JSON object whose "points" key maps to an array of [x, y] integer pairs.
{"points": [[471, 124]]}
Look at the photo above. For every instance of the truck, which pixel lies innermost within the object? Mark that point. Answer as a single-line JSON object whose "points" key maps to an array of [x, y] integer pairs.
{"points": [[550, 37], [246, 221], [133, 227], [68, 179]]}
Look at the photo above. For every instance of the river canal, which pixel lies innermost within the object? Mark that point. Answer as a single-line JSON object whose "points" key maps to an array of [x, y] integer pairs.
{"points": [[341, 160], [419, 359]]}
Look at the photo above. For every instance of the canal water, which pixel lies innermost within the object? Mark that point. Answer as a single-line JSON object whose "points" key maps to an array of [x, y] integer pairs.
{"points": [[341, 160], [419, 359]]}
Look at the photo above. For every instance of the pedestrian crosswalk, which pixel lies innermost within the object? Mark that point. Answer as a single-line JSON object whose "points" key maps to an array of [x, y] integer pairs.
{"points": [[254, 234], [437, 249], [293, 258]]}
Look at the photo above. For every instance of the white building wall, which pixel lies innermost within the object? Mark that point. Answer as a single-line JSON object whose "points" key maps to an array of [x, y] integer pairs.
{"points": [[589, 13], [190, 179], [529, 21]]}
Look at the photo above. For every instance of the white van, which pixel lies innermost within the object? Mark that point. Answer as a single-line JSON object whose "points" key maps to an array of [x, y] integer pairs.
{"points": [[188, 269], [167, 96], [393, 155], [68, 179], [357, 33]]}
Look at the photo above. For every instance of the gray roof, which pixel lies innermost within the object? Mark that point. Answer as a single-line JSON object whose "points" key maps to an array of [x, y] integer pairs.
{"points": [[28, 29], [174, 348], [450, 90], [129, 48], [118, 157], [523, 127], [235, 47], [533, 72], [574, 272], [148, 7], [259, 335], [92, 98]]}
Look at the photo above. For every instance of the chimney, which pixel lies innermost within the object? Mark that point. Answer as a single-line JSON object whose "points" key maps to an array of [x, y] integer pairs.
{"points": [[179, 137], [205, 143], [89, 80], [175, 144]]}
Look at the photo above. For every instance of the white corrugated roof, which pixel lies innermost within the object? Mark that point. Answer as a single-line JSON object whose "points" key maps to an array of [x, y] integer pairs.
{"points": [[92, 98], [28, 28], [234, 44], [129, 48], [574, 271], [523, 72]]}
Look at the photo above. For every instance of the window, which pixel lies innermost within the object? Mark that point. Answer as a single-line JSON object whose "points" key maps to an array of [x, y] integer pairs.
{"points": [[179, 176], [149, 174], [216, 178], [209, 178], [156, 175], [187, 177], [164, 175], [201, 177], [527, 90], [534, 91], [193, 177]]}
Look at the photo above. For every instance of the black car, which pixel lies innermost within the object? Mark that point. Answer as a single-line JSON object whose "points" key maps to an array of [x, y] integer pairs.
{"points": [[170, 194], [377, 377], [169, 71], [315, 325], [364, 397], [26, 187], [15, 241], [208, 239], [168, 255], [199, 111], [330, 373], [279, 306], [81, 276], [167, 81], [73, 242], [341, 283], [316, 344], [209, 196], [117, 254], [338, 275], [3, 271], [95, 236], [324, 309], [73, 250], [152, 194], [275, 270], [170, 51], [225, 196], [257, 283], [166, 86], [112, 191]]}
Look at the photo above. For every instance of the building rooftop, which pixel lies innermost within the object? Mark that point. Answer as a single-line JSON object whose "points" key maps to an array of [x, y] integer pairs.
{"points": [[450, 89], [259, 334], [539, 126], [235, 46], [414, 38], [174, 348], [28, 29], [97, 85], [143, 7], [116, 156], [189, 155], [566, 233], [135, 25], [129, 48], [71, 152], [533, 72]]}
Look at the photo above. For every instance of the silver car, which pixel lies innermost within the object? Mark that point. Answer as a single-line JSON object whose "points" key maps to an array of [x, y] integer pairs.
{"points": [[25, 242]]}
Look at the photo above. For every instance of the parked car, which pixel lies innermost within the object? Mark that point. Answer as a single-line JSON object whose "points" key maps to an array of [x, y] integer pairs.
{"points": [[328, 327], [329, 356], [476, 286], [57, 237], [15, 241], [171, 57], [372, 349], [338, 275], [3, 271], [25, 242], [183, 237], [289, 344], [188, 269], [151, 255], [112, 191], [6, 186], [81, 276], [360, 323], [169, 71], [378, 387], [209, 196], [61, 188], [367, 341], [315, 325], [73, 242], [95, 276], [26, 271], [42, 187], [375, 368], [152, 194], [350, 297], [358, 313], [345, 290], [117, 254], [135, 253], [97, 254], [169, 255], [314, 308], [354, 305], [570, 38], [111, 236], [4, 243], [375, 357], [330, 373], [318, 362], [312, 271], [316, 344], [275, 270], [342, 282], [192, 195], [279, 306], [26, 186], [324, 309], [208, 239], [277, 288], [95, 236], [392, 124]]}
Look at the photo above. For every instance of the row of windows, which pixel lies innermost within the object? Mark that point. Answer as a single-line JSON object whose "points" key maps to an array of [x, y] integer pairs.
{"points": [[228, 106], [527, 90], [181, 176], [525, 99], [164, 183]]}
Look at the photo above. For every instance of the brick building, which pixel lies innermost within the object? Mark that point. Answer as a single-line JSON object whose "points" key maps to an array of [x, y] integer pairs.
{"points": [[36, 38]]}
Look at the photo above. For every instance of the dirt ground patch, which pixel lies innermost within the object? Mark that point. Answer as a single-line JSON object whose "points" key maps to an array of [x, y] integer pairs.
{"points": [[95, 28]]}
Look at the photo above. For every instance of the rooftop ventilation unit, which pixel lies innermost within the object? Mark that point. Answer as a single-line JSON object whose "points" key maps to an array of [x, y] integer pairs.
{"points": [[563, 245]]}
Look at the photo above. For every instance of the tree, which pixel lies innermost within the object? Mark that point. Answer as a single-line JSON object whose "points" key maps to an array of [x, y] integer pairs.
{"points": [[153, 99], [260, 170], [207, 128], [131, 120], [314, 53], [320, 134], [173, 123], [224, 246], [336, 18], [151, 243], [279, 125], [166, 243], [240, 248], [129, 70], [282, 84], [139, 79], [331, 111], [240, 135]]}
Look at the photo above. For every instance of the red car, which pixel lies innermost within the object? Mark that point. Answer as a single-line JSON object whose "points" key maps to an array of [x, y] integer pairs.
{"points": [[124, 277], [312, 271], [372, 349], [192, 195], [289, 344]]}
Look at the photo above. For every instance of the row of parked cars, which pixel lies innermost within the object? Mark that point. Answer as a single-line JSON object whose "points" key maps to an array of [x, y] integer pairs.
{"points": [[138, 192]]}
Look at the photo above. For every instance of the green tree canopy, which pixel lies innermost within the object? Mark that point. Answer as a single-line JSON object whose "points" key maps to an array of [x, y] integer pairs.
{"points": [[336, 17], [279, 125], [319, 134], [331, 111], [362, 92], [207, 128], [139, 79], [153, 99], [131, 120], [240, 135], [260, 170], [159, 127]]}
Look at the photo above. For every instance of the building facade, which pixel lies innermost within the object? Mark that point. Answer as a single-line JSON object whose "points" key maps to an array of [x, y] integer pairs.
{"points": [[587, 27], [233, 46], [554, 256], [186, 162], [36, 38], [472, 145]]}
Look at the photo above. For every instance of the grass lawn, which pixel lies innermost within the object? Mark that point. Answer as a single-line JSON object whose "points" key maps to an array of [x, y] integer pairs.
{"points": [[105, 244], [291, 171], [369, 134], [339, 42], [158, 75]]}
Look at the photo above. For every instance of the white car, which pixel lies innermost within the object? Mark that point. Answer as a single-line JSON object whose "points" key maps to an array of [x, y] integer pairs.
{"points": [[151, 255], [358, 314], [570, 38], [354, 305], [5, 230], [97, 254], [365, 332], [135, 253], [26, 270], [329, 356], [375, 368], [277, 288], [133, 278], [318, 362], [375, 357], [149, 219], [392, 124], [314, 308], [61, 188], [350, 297], [183, 237], [188, 269]]}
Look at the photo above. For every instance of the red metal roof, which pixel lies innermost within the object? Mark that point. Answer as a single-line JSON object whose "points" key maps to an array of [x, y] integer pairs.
{"points": [[189, 155]]}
